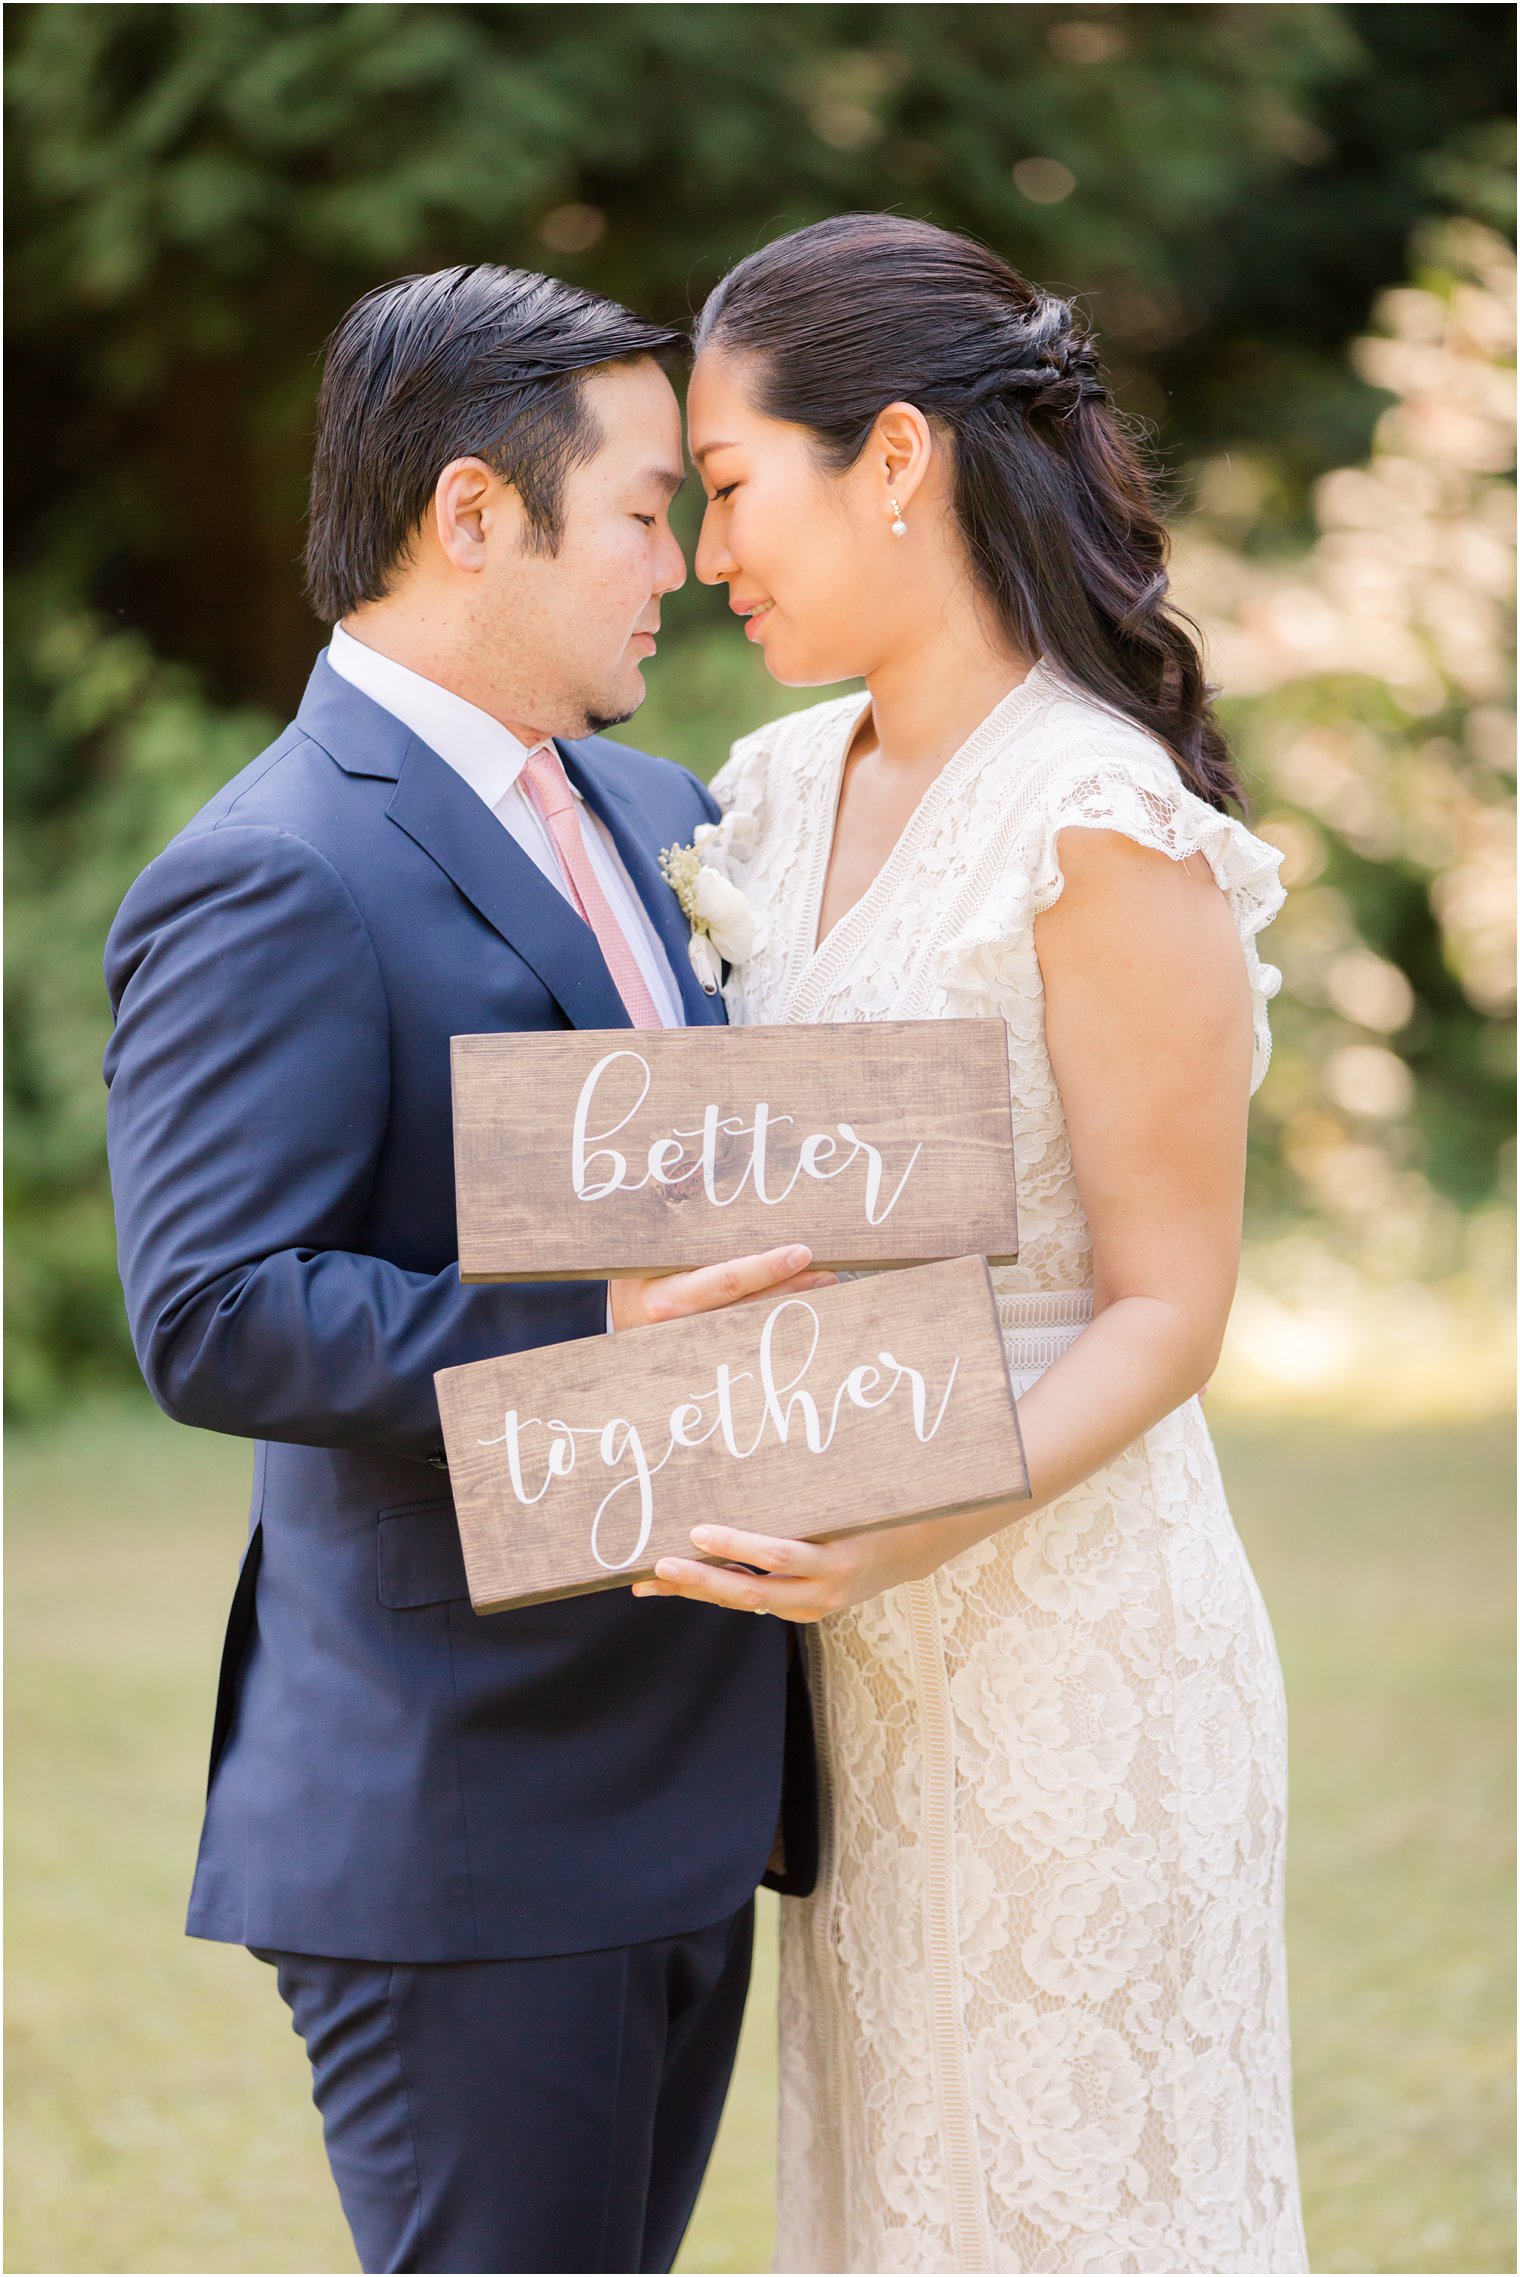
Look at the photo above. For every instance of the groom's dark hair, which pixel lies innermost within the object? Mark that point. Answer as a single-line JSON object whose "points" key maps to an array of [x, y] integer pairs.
{"points": [[478, 362]]}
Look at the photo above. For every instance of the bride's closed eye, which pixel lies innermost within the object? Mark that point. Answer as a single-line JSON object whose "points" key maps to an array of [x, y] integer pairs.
{"points": [[726, 492]]}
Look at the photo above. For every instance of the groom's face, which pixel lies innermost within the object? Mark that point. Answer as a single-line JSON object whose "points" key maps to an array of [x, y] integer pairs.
{"points": [[571, 631]]}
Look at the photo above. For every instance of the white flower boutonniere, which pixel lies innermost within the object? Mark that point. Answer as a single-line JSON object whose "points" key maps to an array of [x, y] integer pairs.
{"points": [[721, 919]]}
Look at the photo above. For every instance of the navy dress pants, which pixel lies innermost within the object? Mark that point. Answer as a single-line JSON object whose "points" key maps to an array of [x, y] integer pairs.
{"points": [[495, 2116]]}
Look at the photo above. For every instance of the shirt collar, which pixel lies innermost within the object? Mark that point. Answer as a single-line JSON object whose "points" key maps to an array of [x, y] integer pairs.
{"points": [[489, 756]]}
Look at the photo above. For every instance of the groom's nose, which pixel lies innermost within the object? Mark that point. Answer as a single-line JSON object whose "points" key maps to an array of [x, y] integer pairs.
{"points": [[670, 565]]}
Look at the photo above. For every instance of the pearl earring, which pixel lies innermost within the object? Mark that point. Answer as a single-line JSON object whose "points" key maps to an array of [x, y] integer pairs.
{"points": [[899, 526]]}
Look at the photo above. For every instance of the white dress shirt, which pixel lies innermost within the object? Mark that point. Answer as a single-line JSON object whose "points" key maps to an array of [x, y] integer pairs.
{"points": [[490, 759]]}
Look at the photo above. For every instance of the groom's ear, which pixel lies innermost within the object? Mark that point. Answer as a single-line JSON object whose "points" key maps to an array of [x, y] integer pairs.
{"points": [[472, 509]]}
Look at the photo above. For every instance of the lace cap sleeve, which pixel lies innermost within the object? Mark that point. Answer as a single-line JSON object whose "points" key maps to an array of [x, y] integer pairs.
{"points": [[1141, 796]]}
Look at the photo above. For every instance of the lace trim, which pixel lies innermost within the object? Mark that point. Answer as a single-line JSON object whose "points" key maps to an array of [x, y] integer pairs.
{"points": [[1038, 1327], [1139, 795], [970, 2228], [828, 2020], [1044, 1308], [816, 966]]}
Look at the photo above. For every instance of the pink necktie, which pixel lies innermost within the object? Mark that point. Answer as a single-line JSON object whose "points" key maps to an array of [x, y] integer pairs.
{"points": [[548, 786]]}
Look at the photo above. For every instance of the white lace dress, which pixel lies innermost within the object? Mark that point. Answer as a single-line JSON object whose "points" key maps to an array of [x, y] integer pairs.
{"points": [[1035, 2016]]}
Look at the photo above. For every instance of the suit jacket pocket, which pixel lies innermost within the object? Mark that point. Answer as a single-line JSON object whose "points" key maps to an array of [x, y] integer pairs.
{"points": [[419, 1561], [240, 1626]]}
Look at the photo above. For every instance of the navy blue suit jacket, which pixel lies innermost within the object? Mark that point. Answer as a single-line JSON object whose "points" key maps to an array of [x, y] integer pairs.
{"points": [[393, 1776]]}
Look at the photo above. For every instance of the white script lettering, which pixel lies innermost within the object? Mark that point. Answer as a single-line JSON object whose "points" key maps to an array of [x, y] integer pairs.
{"points": [[785, 1408], [599, 1169]]}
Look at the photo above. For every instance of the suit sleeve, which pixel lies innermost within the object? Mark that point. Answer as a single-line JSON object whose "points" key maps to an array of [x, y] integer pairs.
{"points": [[249, 1081]]}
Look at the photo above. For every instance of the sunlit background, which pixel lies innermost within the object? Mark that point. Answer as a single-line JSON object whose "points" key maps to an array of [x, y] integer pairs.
{"points": [[1292, 228]]}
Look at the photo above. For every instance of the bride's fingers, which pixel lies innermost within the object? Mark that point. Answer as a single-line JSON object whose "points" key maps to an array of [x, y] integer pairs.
{"points": [[720, 1585], [771, 1553], [707, 1288], [794, 1287], [769, 1574]]}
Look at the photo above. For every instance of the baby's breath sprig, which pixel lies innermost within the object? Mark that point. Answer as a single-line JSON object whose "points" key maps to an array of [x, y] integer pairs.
{"points": [[680, 866]]}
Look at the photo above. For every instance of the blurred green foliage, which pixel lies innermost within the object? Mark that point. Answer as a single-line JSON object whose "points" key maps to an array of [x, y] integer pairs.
{"points": [[1371, 689], [196, 194]]}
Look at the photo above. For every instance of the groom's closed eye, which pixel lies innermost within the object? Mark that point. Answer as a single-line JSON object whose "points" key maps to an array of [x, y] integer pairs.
{"points": [[667, 483], [660, 481]]}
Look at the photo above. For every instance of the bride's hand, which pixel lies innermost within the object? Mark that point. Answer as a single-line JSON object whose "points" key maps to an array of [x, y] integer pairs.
{"points": [[803, 1581], [640, 1301]]}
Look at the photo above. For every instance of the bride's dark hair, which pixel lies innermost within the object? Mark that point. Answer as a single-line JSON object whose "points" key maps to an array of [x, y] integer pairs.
{"points": [[1054, 501]]}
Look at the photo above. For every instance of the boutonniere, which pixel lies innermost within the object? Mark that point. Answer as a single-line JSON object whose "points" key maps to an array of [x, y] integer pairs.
{"points": [[721, 919]]}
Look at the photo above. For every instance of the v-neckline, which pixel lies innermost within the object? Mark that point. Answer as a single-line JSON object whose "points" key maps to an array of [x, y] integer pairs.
{"points": [[848, 930]]}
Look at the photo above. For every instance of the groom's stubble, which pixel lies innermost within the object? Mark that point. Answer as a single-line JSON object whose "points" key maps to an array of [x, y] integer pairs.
{"points": [[559, 635]]}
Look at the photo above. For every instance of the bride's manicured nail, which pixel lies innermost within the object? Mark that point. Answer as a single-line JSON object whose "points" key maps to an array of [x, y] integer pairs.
{"points": [[703, 1537], [797, 1257]]}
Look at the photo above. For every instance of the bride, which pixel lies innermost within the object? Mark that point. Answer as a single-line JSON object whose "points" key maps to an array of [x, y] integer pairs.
{"points": [[1034, 2017]]}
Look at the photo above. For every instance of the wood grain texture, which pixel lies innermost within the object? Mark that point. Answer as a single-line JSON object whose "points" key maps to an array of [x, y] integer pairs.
{"points": [[876, 1143], [868, 1404]]}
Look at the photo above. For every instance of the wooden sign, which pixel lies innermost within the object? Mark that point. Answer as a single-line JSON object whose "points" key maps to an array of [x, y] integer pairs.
{"points": [[594, 1153], [576, 1466]]}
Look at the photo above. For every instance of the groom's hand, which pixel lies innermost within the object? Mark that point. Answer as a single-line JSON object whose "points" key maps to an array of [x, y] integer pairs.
{"points": [[672, 1296]]}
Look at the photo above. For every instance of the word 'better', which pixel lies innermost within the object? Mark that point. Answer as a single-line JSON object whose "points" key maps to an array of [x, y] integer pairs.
{"points": [[598, 1169]]}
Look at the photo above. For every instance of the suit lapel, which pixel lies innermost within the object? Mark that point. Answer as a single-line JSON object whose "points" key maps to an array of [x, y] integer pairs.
{"points": [[437, 809], [442, 814], [621, 816]]}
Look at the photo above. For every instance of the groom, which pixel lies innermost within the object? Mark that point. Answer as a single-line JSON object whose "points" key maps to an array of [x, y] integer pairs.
{"points": [[503, 1867]]}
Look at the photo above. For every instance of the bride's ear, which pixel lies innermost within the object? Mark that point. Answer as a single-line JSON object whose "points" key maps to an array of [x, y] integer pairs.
{"points": [[900, 449]]}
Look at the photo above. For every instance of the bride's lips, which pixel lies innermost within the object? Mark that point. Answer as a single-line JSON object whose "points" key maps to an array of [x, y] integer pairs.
{"points": [[753, 612]]}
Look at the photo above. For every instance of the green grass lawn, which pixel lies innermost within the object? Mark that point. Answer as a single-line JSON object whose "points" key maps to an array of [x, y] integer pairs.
{"points": [[159, 2113]]}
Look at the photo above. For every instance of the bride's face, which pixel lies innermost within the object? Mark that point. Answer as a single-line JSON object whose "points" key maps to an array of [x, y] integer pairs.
{"points": [[807, 555]]}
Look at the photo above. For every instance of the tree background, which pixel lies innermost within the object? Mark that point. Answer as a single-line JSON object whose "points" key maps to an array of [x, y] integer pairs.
{"points": [[197, 193]]}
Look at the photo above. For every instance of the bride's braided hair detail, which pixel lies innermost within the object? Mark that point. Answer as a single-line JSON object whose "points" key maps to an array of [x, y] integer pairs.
{"points": [[1055, 504], [1062, 371]]}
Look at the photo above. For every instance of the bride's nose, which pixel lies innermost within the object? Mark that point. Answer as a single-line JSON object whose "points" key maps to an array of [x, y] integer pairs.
{"points": [[712, 561]]}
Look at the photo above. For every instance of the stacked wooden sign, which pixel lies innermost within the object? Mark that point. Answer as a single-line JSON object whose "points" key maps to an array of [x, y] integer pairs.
{"points": [[592, 1154]]}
